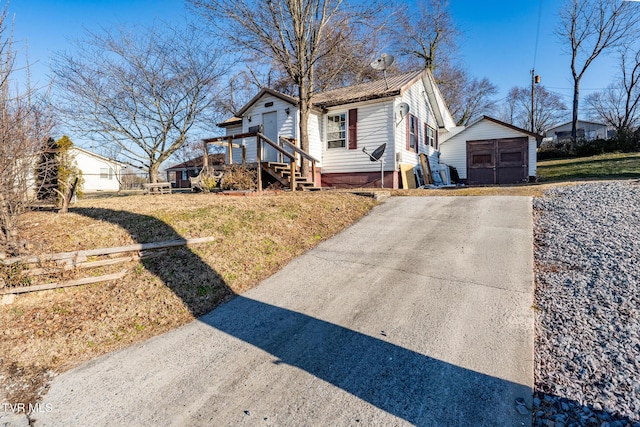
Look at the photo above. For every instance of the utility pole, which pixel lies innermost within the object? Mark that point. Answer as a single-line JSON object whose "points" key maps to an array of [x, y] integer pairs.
{"points": [[534, 79]]}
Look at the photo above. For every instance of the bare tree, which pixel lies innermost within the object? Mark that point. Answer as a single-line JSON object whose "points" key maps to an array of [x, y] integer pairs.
{"points": [[426, 35], [549, 109], [468, 98], [591, 27], [24, 131], [295, 33], [142, 90], [619, 104]]}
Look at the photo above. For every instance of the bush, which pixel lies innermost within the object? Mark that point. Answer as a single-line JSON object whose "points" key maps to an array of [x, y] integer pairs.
{"points": [[238, 177]]}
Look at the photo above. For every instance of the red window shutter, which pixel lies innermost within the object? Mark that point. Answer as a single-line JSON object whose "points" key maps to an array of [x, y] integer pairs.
{"points": [[353, 129], [408, 120], [426, 134]]}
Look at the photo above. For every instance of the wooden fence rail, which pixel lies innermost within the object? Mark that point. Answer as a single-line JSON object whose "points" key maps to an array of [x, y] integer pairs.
{"points": [[77, 260]]}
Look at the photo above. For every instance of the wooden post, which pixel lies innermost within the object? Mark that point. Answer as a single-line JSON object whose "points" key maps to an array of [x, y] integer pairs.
{"points": [[244, 154], [259, 161], [292, 177], [313, 171], [230, 151], [426, 169]]}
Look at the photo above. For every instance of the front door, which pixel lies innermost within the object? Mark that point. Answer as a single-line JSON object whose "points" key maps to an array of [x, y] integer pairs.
{"points": [[270, 130]]}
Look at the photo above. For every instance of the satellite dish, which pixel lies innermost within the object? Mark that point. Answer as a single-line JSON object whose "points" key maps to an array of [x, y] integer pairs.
{"points": [[376, 156], [378, 152], [402, 110], [383, 62]]}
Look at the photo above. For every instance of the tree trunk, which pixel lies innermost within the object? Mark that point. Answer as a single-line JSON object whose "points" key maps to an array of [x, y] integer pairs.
{"points": [[153, 172], [304, 128], [574, 117]]}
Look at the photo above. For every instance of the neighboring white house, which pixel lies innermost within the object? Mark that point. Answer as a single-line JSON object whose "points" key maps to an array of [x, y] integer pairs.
{"points": [[489, 151], [588, 130], [406, 112], [99, 173]]}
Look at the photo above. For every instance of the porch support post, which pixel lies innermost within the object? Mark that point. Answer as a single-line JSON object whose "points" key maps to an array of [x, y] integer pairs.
{"points": [[292, 177], [313, 171], [259, 161], [230, 148], [244, 154]]}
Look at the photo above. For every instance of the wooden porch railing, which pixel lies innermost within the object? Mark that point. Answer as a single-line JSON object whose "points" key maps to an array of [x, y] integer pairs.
{"points": [[296, 155]]}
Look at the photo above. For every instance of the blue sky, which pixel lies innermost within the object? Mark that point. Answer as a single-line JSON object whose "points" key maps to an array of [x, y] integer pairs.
{"points": [[498, 42]]}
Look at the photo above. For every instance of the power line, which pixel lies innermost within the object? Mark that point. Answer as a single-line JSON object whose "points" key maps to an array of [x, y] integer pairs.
{"points": [[535, 49]]}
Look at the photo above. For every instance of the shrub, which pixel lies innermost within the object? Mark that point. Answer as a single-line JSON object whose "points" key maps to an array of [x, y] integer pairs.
{"points": [[238, 177]]}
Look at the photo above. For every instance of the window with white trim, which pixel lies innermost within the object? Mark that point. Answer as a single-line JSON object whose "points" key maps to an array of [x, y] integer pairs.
{"points": [[337, 130], [104, 173], [430, 137], [412, 133]]}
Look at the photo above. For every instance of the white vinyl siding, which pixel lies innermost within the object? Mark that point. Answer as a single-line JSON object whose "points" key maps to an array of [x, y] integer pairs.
{"points": [[419, 107], [99, 173], [315, 136], [375, 127], [286, 124]]}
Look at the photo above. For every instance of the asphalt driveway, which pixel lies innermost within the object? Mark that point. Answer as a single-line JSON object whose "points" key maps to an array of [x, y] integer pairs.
{"points": [[418, 314]]}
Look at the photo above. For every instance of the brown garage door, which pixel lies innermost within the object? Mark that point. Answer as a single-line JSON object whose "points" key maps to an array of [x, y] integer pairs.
{"points": [[497, 161]]}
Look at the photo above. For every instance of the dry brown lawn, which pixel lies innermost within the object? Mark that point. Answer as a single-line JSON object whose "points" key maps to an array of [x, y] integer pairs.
{"points": [[47, 332]]}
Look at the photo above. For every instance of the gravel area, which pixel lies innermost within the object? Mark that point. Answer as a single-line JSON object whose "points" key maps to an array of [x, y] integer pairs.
{"points": [[587, 370]]}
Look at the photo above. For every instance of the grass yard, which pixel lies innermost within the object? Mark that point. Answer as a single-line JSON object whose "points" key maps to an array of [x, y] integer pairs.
{"points": [[47, 332], [604, 166]]}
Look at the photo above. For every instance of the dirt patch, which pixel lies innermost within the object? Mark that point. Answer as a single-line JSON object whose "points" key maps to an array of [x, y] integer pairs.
{"points": [[48, 332]]}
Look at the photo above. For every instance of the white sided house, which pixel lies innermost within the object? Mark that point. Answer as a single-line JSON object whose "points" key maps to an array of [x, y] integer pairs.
{"points": [[99, 173], [489, 151], [345, 121], [406, 112]]}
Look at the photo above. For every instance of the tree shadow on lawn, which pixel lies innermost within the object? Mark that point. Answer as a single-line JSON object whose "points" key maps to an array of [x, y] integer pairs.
{"points": [[417, 388]]}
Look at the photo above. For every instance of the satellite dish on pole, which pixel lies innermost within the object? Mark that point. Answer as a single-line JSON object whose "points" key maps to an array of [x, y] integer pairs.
{"points": [[376, 156], [402, 110], [382, 64]]}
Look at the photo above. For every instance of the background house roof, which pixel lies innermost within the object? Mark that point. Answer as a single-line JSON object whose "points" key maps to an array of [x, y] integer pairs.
{"points": [[579, 121], [97, 156], [197, 162]]}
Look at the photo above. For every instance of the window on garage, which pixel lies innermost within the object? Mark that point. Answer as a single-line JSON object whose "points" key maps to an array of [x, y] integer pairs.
{"points": [[511, 157], [481, 159]]}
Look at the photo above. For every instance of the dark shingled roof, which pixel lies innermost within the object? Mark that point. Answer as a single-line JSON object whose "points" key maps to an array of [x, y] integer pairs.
{"points": [[214, 159]]}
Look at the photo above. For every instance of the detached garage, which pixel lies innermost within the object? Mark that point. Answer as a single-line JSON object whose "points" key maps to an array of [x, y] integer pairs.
{"points": [[489, 151]]}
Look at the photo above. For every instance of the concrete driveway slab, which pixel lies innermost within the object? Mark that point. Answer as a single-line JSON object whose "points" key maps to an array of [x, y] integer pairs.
{"points": [[419, 314]]}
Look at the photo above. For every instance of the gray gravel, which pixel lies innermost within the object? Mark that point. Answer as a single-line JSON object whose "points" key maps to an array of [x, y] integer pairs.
{"points": [[587, 352]]}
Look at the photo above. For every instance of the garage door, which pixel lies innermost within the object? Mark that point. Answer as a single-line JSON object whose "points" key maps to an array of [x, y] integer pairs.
{"points": [[497, 161]]}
